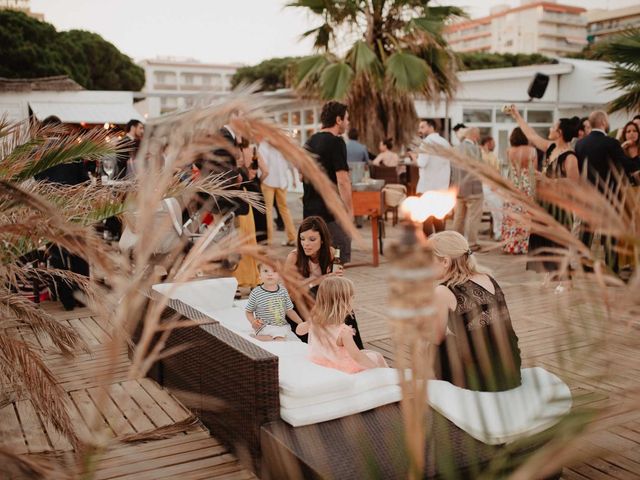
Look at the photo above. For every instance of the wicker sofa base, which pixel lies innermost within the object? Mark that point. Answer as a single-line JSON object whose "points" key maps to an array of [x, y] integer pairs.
{"points": [[370, 445]]}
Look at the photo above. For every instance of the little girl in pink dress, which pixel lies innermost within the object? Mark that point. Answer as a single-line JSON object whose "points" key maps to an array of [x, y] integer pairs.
{"points": [[330, 340]]}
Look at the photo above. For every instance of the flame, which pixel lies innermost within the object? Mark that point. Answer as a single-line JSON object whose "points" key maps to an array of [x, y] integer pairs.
{"points": [[434, 203]]}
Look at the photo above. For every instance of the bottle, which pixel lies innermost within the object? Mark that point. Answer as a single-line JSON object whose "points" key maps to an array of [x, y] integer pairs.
{"points": [[336, 263]]}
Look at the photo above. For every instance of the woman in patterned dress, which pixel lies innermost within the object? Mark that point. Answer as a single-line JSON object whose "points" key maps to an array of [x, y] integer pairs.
{"points": [[522, 159]]}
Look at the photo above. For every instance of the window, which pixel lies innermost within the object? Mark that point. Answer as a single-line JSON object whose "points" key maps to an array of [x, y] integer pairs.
{"points": [[308, 117], [284, 118], [295, 118], [476, 116], [539, 116], [503, 118]]}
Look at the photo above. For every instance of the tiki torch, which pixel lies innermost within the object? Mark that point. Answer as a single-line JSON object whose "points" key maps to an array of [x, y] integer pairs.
{"points": [[412, 282]]}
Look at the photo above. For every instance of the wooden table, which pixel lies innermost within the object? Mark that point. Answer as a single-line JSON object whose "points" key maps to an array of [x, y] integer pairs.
{"points": [[370, 203]]}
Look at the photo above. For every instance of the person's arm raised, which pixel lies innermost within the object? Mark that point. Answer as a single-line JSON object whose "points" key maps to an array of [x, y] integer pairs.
{"points": [[533, 137]]}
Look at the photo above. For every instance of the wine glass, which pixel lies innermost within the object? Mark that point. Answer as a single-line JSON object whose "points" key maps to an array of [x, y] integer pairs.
{"points": [[109, 167]]}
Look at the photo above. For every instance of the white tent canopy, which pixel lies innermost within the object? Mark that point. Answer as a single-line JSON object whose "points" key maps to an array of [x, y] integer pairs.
{"points": [[85, 112], [71, 107]]}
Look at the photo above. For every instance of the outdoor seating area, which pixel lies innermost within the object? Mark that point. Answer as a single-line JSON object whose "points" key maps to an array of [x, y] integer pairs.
{"points": [[292, 396]]}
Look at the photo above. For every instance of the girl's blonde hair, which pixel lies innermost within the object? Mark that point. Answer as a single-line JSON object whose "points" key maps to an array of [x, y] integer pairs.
{"points": [[452, 245], [333, 301]]}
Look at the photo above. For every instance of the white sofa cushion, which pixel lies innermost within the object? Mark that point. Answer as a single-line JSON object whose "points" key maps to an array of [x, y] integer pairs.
{"points": [[503, 417], [204, 295], [342, 407], [306, 381]]}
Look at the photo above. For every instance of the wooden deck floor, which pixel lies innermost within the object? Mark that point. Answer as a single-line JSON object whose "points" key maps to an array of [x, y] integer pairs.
{"points": [[114, 410]]}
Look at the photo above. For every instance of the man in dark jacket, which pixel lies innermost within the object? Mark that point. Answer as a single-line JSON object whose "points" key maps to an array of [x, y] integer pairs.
{"points": [[604, 160], [602, 155]]}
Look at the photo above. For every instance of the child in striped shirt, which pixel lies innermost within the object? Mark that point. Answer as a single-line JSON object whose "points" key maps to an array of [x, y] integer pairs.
{"points": [[269, 305]]}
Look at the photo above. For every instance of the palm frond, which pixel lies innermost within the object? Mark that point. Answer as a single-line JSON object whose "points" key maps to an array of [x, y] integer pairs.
{"points": [[26, 371], [335, 81], [407, 72], [64, 338]]}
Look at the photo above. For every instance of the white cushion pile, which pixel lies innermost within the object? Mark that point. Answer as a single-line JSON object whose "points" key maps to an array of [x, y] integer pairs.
{"points": [[310, 393]]}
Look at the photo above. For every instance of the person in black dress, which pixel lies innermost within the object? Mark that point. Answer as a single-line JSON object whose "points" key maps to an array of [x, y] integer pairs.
{"points": [[477, 347], [560, 161], [312, 259]]}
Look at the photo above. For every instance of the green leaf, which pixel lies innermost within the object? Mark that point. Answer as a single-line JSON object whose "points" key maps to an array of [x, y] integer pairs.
{"points": [[335, 81], [432, 26], [85, 149], [316, 6], [407, 72], [310, 67], [363, 59]]}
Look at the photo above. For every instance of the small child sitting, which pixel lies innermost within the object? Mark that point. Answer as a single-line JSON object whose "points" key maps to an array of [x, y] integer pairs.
{"points": [[269, 304], [330, 339]]}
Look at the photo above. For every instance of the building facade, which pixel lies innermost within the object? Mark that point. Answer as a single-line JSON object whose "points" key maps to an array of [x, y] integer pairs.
{"points": [[544, 27], [178, 81], [576, 88], [604, 24]]}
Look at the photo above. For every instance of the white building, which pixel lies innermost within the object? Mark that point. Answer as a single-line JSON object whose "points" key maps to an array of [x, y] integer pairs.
{"points": [[576, 88], [604, 24], [177, 81], [544, 27], [23, 99]]}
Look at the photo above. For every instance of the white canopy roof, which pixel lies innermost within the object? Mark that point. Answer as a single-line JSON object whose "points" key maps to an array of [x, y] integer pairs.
{"points": [[75, 112]]}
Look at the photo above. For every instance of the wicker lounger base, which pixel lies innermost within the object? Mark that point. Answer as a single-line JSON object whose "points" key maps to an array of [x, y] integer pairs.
{"points": [[370, 445]]}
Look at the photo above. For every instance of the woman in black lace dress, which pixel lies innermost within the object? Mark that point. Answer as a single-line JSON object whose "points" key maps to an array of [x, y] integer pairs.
{"points": [[477, 346], [560, 161]]}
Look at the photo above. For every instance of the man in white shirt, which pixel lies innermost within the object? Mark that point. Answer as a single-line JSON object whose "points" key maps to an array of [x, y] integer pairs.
{"points": [[434, 170], [274, 187]]}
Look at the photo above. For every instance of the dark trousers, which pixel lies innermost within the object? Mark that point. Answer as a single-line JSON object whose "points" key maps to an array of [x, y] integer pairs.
{"points": [[61, 259], [433, 225], [609, 245]]}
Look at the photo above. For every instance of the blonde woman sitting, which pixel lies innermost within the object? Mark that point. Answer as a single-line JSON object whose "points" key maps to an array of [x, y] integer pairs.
{"points": [[477, 346]]}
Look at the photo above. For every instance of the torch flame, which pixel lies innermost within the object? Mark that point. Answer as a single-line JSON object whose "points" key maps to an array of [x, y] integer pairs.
{"points": [[434, 203]]}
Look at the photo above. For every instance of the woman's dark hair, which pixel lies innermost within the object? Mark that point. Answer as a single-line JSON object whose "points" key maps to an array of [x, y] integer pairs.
{"points": [[518, 138], [581, 125], [388, 142], [330, 113], [569, 128], [353, 133], [317, 224], [624, 131]]}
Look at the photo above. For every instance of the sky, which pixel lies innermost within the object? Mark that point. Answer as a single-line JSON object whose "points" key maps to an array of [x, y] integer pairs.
{"points": [[217, 31]]}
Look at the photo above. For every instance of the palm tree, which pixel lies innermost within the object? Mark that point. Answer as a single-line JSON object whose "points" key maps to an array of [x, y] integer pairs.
{"points": [[624, 53], [397, 51]]}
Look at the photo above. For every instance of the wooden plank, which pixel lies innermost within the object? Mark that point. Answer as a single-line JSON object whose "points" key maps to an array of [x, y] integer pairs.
{"points": [[169, 404], [32, 427], [96, 330], [150, 407], [83, 331], [91, 415], [167, 451], [148, 447], [138, 466], [131, 410], [10, 430], [57, 439], [114, 417], [183, 469]]}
